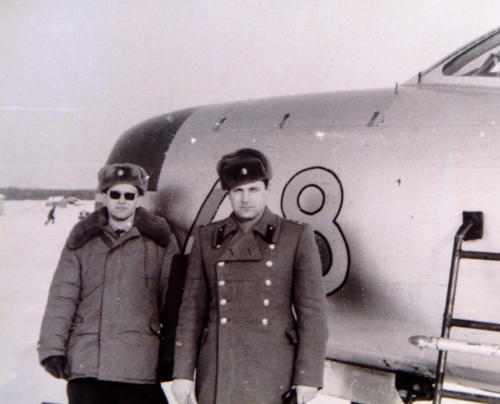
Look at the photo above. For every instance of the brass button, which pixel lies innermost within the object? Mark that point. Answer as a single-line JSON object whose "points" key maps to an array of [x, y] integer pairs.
{"points": [[264, 321], [268, 282], [221, 263], [222, 283], [269, 264], [223, 320], [272, 246], [223, 302], [266, 302]]}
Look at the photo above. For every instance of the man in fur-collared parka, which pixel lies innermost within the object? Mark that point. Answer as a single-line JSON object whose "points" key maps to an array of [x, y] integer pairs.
{"points": [[252, 322], [109, 317]]}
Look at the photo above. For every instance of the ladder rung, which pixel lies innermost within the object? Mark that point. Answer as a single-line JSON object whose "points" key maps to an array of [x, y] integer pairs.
{"points": [[477, 325], [480, 255], [476, 398]]}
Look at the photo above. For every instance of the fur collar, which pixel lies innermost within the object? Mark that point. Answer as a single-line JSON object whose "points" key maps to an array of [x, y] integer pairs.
{"points": [[149, 225]]}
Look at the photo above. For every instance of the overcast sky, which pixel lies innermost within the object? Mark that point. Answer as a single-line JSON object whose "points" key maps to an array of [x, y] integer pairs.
{"points": [[76, 74]]}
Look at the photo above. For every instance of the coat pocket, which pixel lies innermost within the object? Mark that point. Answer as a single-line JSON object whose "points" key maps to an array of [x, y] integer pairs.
{"points": [[204, 335], [292, 336], [77, 321], [154, 324]]}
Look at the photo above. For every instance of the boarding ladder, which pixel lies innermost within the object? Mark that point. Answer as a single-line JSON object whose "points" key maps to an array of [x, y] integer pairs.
{"points": [[471, 229]]}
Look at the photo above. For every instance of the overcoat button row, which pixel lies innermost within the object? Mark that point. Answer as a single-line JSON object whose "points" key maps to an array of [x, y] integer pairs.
{"points": [[223, 302], [221, 263], [272, 246], [268, 282], [264, 321], [223, 320], [222, 283], [266, 302], [269, 264]]}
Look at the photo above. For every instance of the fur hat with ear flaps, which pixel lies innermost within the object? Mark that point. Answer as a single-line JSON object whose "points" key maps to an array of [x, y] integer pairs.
{"points": [[126, 173], [243, 167]]}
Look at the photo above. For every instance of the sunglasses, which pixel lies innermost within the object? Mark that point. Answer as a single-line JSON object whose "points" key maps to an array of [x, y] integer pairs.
{"points": [[129, 196]]}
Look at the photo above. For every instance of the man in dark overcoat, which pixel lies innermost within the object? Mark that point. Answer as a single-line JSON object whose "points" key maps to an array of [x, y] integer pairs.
{"points": [[110, 302], [253, 315]]}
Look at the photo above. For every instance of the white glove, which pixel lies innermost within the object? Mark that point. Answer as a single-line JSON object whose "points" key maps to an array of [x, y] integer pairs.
{"points": [[183, 391]]}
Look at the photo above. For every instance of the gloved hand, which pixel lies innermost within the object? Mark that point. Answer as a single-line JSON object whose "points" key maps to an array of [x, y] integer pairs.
{"points": [[299, 395], [183, 391], [165, 371], [305, 393], [55, 366]]}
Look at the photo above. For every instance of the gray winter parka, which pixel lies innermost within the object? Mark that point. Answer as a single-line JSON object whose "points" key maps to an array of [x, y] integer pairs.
{"points": [[108, 298]]}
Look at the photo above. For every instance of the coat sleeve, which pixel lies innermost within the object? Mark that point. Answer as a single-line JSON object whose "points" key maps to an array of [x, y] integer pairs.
{"points": [[64, 295], [192, 317], [172, 279], [309, 301]]}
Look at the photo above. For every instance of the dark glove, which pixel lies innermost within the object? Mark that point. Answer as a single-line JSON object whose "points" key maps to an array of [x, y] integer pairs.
{"points": [[165, 371], [55, 366]]}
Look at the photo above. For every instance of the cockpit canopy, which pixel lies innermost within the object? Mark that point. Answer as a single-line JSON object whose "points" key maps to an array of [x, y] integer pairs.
{"points": [[477, 64], [481, 60]]}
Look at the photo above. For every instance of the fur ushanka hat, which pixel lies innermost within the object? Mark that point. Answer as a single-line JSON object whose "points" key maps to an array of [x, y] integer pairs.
{"points": [[126, 173], [243, 167]]}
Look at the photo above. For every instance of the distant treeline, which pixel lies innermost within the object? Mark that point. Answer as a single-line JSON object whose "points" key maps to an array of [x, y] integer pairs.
{"points": [[19, 194]]}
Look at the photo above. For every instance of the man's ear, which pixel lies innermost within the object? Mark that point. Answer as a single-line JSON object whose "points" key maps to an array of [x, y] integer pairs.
{"points": [[139, 200]]}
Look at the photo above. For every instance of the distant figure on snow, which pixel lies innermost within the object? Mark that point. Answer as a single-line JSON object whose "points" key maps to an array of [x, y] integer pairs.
{"points": [[51, 217]]}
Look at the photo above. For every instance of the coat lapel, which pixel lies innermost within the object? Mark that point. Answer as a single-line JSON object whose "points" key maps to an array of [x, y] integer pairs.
{"points": [[268, 226], [243, 247], [107, 235]]}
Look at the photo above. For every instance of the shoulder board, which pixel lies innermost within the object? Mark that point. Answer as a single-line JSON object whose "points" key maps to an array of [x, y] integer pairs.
{"points": [[291, 221]]}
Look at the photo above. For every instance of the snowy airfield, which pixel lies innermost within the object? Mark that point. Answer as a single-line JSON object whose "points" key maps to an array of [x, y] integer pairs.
{"points": [[29, 251]]}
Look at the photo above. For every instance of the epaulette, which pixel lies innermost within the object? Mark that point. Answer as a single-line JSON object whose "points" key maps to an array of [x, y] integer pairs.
{"points": [[292, 221]]}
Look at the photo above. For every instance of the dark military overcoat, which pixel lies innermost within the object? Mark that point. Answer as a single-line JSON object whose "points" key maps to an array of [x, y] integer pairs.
{"points": [[237, 326]]}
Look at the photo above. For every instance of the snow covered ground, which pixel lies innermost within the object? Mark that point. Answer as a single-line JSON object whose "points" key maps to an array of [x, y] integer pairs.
{"points": [[29, 251]]}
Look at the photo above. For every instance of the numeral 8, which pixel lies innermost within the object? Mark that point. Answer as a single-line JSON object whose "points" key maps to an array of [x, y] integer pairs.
{"points": [[314, 195]]}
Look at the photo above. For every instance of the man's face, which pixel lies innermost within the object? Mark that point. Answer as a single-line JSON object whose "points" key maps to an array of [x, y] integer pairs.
{"points": [[249, 201], [118, 200]]}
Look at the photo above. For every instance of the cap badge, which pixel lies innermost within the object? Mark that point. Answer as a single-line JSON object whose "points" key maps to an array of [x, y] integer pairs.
{"points": [[244, 171], [120, 173]]}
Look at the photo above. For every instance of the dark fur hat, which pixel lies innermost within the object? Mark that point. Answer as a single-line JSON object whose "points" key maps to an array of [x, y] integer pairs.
{"points": [[123, 174], [243, 167]]}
